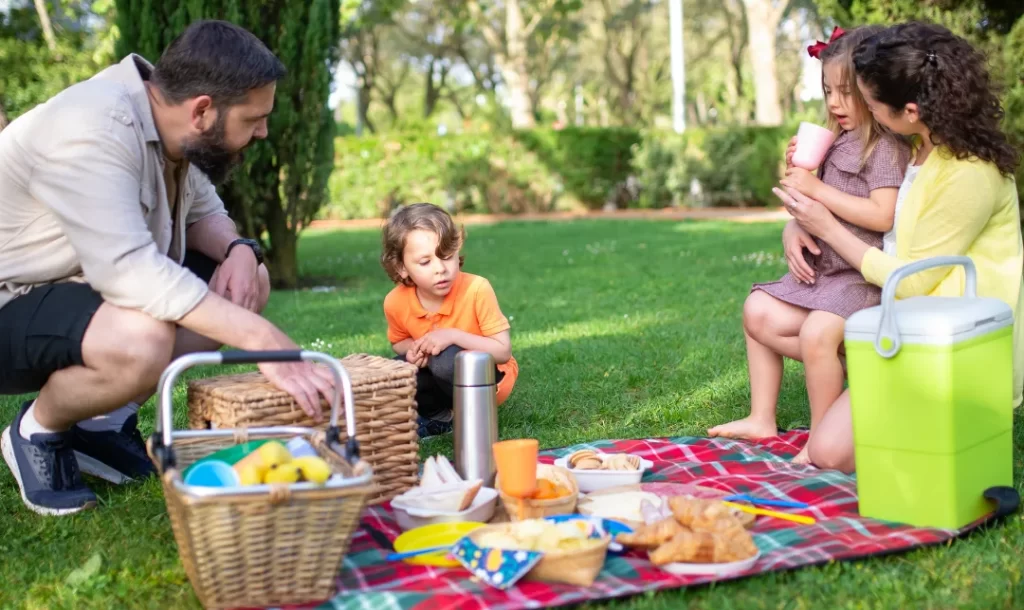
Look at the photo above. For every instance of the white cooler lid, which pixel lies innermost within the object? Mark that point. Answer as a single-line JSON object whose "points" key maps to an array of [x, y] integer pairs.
{"points": [[938, 319]]}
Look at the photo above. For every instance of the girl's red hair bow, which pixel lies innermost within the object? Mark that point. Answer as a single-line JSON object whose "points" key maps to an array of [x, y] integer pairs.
{"points": [[815, 49]]}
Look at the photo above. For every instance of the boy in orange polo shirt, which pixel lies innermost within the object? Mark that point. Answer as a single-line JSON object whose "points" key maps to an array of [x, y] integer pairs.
{"points": [[436, 310]]}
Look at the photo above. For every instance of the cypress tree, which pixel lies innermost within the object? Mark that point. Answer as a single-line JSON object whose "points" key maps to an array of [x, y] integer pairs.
{"points": [[283, 181]]}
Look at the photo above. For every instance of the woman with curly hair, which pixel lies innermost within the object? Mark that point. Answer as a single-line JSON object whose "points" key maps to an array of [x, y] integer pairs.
{"points": [[958, 196]]}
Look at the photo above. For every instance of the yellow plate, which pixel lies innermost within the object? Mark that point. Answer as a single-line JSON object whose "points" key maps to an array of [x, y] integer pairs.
{"points": [[437, 534]]}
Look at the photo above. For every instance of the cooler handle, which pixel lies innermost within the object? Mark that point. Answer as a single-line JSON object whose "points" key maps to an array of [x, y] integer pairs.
{"points": [[888, 333], [342, 387]]}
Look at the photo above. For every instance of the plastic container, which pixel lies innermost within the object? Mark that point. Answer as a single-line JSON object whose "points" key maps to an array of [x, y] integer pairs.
{"points": [[595, 480], [480, 511], [812, 144], [212, 473], [931, 391]]}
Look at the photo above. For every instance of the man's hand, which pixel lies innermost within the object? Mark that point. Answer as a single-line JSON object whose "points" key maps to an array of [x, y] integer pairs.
{"points": [[239, 279], [436, 341], [305, 381]]}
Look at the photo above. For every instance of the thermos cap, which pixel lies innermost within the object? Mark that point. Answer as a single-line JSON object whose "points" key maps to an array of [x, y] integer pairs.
{"points": [[474, 369]]}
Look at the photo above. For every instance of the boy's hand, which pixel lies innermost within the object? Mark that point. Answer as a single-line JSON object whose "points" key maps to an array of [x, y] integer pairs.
{"points": [[435, 342], [789, 152], [415, 356], [803, 181]]}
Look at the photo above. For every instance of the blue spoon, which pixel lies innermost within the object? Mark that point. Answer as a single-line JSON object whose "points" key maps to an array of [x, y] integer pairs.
{"points": [[765, 501], [426, 551]]}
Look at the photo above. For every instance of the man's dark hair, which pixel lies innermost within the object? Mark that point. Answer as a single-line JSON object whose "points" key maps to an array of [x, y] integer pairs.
{"points": [[215, 58]]}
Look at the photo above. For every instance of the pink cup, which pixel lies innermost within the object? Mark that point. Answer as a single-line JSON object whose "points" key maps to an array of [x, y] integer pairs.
{"points": [[812, 143]]}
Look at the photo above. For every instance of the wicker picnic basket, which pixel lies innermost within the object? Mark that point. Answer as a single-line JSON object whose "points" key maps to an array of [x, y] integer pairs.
{"points": [[263, 545], [385, 412]]}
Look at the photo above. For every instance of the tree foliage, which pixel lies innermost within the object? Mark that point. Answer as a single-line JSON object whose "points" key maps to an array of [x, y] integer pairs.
{"points": [[283, 181]]}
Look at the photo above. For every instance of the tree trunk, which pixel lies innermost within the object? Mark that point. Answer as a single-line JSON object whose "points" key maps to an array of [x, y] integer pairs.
{"points": [[514, 70], [3, 118], [283, 256], [762, 25], [47, 27]]}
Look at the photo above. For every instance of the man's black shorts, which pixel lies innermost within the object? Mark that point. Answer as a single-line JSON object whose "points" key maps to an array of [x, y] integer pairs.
{"points": [[41, 331]]}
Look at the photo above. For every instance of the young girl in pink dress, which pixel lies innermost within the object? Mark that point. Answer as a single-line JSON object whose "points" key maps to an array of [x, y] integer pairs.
{"points": [[858, 181]]}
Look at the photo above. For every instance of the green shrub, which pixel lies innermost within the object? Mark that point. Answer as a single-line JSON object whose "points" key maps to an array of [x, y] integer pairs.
{"points": [[724, 166], [1013, 102]]}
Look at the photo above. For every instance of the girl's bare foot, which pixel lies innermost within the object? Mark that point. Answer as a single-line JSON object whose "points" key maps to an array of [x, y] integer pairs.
{"points": [[747, 428], [803, 457]]}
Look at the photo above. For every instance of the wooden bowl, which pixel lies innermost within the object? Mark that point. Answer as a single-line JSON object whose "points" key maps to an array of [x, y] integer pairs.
{"points": [[536, 509], [579, 568]]}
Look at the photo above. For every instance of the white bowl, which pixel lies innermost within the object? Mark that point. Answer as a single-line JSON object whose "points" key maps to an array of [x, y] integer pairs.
{"points": [[594, 480], [480, 511]]}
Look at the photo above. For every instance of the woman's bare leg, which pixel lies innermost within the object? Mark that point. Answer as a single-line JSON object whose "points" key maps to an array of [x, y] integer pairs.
{"points": [[772, 330], [820, 338], [831, 447]]}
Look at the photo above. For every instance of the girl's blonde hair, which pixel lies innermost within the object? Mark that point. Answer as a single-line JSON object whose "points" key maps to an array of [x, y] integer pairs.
{"points": [[841, 51]]}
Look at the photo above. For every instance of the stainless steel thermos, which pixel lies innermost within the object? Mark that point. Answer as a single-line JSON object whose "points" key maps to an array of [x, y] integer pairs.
{"points": [[476, 416]]}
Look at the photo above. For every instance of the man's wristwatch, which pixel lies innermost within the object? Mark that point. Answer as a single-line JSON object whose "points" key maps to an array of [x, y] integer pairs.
{"points": [[252, 243]]}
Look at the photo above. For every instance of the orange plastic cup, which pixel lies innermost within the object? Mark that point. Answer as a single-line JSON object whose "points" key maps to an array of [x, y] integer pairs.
{"points": [[516, 461]]}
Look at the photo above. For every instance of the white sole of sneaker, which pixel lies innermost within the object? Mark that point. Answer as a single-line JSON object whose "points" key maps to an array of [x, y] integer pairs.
{"points": [[100, 470], [12, 463]]}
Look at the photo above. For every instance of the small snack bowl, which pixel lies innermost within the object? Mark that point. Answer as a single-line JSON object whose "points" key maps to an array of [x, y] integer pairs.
{"points": [[480, 511], [592, 473], [536, 508], [573, 554]]}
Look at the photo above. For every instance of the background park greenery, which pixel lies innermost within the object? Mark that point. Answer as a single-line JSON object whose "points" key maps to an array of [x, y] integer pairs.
{"points": [[485, 106]]}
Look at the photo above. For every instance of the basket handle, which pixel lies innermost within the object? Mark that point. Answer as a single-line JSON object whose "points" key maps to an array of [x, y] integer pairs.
{"points": [[162, 438], [887, 341]]}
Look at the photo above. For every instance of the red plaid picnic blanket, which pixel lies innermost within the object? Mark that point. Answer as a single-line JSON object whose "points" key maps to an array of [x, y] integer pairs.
{"points": [[368, 580]]}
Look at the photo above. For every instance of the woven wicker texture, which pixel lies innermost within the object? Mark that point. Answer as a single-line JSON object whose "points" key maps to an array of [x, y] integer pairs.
{"points": [[267, 549], [385, 410]]}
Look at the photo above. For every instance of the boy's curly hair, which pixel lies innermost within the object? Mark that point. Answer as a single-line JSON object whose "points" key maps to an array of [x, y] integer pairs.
{"points": [[426, 217], [948, 79]]}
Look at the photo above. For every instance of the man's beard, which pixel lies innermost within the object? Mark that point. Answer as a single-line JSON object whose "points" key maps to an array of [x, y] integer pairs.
{"points": [[210, 154]]}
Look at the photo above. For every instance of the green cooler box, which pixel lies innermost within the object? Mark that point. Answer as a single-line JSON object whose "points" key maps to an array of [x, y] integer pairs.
{"points": [[931, 391]]}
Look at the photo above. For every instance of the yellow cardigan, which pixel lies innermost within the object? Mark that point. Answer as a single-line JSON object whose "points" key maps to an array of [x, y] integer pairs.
{"points": [[960, 207]]}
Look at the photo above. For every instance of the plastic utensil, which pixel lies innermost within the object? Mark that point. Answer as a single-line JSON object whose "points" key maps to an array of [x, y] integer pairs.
{"points": [[812, 144], [212, 473], [801, 519], [417, 553], [765, 501], [438, 538]]}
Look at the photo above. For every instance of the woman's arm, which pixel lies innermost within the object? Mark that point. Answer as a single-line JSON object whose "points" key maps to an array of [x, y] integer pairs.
{"points": [[875, 212]]}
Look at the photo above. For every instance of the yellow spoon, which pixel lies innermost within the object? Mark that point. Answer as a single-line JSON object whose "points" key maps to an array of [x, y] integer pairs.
{"points": [[804, 520]]}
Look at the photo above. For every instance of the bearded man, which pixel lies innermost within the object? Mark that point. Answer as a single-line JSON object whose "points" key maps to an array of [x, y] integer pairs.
{"points": [[117, 255]]}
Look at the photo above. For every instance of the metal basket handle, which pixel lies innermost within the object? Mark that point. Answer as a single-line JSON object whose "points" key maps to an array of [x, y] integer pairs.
{"points": [[162, 437], [888, 333]]}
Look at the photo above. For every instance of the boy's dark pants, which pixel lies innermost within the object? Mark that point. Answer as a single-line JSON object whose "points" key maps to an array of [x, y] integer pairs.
{"points": [[435, 383]]}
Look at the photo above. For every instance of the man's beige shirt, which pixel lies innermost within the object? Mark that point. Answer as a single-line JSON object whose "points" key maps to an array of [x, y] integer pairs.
{"points": [[83, 198]]}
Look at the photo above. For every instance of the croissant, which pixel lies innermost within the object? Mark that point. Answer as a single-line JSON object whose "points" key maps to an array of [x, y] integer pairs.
{"points": [[703, 515], [705, 547], [686, 546], [652, 535]]}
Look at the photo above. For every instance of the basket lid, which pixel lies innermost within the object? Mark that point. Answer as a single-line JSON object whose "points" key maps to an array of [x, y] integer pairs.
{"points": [[934, 319]]}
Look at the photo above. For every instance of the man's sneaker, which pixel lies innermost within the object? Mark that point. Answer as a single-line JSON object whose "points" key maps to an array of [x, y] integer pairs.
{"points": [[111, 455], [46, 470], [432, 427]]}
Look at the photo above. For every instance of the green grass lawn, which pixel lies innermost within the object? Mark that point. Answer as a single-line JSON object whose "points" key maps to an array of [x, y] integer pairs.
{"points": [[621, 329]]}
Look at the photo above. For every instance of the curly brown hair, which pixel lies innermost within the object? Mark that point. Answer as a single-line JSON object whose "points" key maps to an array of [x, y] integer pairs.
{"points": [[425, 217], [926, 64]]}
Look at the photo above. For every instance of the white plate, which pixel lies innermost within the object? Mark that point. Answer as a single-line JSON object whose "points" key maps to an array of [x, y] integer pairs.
{"points": [[594, 480], [711, 569], [480, 511]]}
